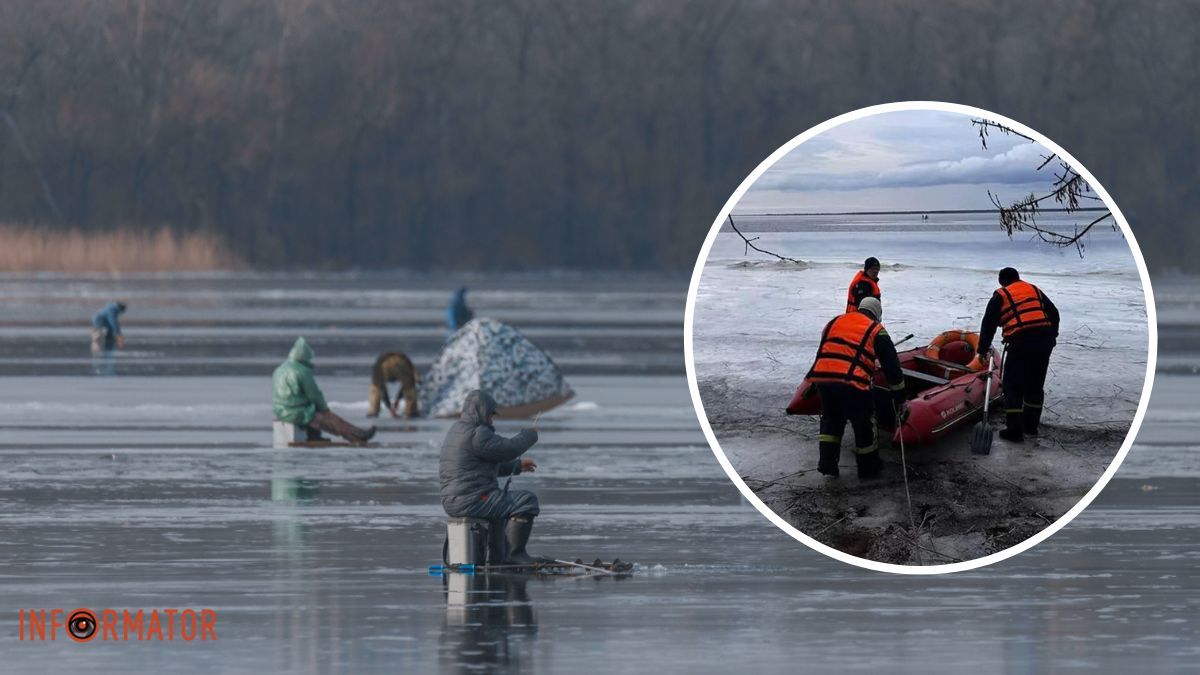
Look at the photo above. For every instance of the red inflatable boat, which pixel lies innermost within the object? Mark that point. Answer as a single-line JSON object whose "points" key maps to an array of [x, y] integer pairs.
{"points": [[943, 392]]}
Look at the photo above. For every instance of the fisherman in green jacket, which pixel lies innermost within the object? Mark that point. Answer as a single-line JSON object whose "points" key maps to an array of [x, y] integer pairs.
{"points": [[296, 399]]}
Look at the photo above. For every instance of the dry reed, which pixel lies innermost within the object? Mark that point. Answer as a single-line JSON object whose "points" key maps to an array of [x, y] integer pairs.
{"points": [[33, 249]]}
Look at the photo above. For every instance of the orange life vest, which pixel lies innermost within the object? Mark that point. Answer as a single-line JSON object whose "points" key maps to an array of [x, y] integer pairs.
{"points": [[851, 301], [847, 351], [1021, 308]]}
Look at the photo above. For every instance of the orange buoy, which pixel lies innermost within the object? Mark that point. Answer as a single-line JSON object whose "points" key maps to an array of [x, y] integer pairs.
{"points": [[955, 346]]}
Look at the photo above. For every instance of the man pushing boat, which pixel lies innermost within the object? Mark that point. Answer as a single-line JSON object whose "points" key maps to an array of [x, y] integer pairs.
{"points": [[843, 372], [1029, 324], [473, 456]]}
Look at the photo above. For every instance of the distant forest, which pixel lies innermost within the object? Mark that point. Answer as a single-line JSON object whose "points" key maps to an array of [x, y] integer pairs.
{"points": [[530, 134]]}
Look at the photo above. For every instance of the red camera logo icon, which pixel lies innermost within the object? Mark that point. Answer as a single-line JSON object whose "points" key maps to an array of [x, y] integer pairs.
{"points": [[81, 625]]}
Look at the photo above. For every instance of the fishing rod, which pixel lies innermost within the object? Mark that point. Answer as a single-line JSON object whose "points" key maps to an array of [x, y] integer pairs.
{"points": [[599, 570]]}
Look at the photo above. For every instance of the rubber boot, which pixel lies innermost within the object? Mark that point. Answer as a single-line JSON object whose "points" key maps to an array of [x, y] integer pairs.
{"points": [[1012, 430], [314, 435], [1031, 417], [830, 453], [870, 464], [368, 435], [497, 547], [517, 532]]}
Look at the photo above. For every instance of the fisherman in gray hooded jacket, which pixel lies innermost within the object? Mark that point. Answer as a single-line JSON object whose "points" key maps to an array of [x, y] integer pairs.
{"points": [[473, 456]]}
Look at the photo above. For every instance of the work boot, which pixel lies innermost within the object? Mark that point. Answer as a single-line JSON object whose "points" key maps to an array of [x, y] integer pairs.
{"points": [[1012, 430], [497, 547], [869, 464], [1031, 417], [830, 453], [516, 531]]}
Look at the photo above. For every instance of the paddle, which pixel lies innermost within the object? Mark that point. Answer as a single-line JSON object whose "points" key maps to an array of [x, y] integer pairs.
{"points": [[906, 339], [981, 437]]}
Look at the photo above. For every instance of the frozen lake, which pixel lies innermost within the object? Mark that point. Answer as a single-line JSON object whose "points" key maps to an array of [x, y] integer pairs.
{"points": [[156, 488]]}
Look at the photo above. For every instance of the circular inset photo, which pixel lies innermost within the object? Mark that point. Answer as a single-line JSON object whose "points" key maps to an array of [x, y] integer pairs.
{"points": [[920, 337]]}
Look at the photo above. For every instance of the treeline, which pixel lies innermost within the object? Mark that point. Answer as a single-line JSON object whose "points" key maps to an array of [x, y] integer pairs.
{"points": [[524, 134]]}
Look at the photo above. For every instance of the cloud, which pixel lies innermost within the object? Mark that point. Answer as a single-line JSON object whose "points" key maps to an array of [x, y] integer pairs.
{"points": [[1016, 166]]}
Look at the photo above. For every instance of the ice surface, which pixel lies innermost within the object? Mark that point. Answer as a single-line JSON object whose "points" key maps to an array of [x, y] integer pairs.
{"points": [[757, 328], [157, 488]]}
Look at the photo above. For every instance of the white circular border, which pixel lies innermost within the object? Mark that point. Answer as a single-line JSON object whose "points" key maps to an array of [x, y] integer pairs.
{"points": [[689, 316]]}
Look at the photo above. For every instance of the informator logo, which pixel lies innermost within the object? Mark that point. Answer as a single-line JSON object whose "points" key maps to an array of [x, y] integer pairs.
{"points": [[84, 625]]}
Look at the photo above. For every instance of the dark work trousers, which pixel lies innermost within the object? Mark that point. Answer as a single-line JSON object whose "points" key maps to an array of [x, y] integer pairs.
{"points": [[841, 403], [498, 505], [1025, 369]]}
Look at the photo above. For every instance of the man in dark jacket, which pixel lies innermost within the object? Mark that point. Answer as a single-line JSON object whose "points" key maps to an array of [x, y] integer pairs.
{"points": [[865, 284], [473, 456], [1029, 323], [853, 346]]}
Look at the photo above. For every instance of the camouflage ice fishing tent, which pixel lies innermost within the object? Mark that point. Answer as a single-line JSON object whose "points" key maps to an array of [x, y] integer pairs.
{"points": [[486, 354]]}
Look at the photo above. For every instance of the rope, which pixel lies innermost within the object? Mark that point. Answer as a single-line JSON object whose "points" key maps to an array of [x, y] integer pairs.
{"points": [[904, 467]]}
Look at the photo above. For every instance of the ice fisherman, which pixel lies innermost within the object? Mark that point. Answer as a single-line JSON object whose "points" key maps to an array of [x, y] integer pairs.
{"points": [[864, 285], [473, 457], [296, 398], [457, 313], [843, 372], [106, 328], [393, 367], [1029, 323]]}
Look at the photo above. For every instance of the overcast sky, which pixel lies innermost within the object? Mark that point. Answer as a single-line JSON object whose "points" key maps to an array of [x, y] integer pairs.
{"points": [[908, 160]]}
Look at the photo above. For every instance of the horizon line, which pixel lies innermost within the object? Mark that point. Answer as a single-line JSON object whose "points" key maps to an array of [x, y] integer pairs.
{"points": [[909, 212]]}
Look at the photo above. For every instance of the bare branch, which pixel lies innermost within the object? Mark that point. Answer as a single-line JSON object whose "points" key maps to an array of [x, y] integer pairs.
{"points": [[1067, 189], [984, 125], [750, 245]]}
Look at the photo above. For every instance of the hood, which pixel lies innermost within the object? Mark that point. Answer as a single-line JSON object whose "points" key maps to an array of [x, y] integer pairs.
{"points": [[477, 406], [301, 352]]}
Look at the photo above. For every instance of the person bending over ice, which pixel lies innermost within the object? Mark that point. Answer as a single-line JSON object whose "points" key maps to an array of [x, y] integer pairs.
{"points": [[106, 328], [296, 399], [393, 367], [473, 456]]}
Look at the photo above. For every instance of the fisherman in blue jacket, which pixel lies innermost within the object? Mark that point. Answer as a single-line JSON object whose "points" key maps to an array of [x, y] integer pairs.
{"points": [[457, 313], [106, 328]]}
